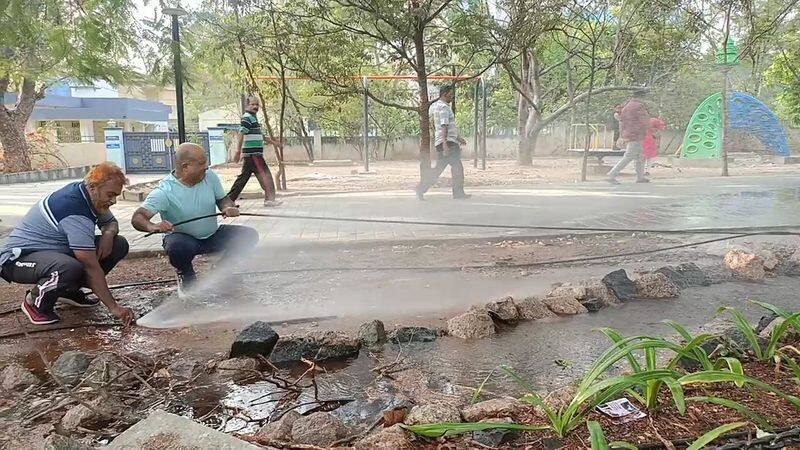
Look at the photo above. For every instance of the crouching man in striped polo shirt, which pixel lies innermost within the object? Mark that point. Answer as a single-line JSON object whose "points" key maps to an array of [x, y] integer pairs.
{"points": [[250, 148], [55, 248]]}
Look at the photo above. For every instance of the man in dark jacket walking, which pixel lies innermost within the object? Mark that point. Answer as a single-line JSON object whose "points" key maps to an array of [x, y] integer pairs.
{"points": [[634, 122]]}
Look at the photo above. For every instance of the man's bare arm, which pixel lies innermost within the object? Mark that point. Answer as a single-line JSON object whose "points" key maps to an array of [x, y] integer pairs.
{"points": [[141, 222], [96, 280], [227, 207]]}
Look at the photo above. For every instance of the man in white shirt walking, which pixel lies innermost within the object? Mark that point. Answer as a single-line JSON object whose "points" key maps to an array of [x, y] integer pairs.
{"points": [[448, 146]]}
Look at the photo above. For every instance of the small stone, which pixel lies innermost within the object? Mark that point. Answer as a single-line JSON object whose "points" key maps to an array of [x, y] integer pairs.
{"points": [[280, 430], [592, 304], [107, 368], [791, 334], [316, 346], [744, 265], [686, 275], [533, 308], [372, 333], [496, 407], [17, 378], [70, 366], [59, 442], [770, 260], [257, 339], [620, 285], [655, 286], [404, 335], [765, 321], [433, 413], [181, 369], [597, 289], [76, 416], [238, 369], [503, 310], [320, 428], [565, 305], [494, 437], [392, 438], [471, 325]]}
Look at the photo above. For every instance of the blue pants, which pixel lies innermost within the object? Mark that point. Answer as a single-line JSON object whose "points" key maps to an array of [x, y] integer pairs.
{"points": [[229, 240]]}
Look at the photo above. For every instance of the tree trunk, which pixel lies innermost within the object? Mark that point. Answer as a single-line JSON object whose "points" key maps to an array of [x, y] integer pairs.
{"points": [[12, 125], [524, 157], [424, 118], [15, 147]]}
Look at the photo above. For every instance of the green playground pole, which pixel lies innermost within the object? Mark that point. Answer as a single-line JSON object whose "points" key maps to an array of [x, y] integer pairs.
{"points": [[726, 59]]}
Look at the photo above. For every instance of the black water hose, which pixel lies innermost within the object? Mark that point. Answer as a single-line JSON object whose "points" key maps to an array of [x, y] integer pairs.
{"points": [[760, 230]]}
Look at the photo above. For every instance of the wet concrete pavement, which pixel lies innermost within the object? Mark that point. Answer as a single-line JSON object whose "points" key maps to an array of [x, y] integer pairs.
{"points": [[686, 203]]}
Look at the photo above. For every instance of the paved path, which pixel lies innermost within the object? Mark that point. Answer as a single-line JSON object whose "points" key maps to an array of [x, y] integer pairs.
{"points": [[692, 203]]}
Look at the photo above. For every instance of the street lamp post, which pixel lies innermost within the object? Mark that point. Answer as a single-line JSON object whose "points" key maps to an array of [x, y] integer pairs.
{"points": [[177, 68]]}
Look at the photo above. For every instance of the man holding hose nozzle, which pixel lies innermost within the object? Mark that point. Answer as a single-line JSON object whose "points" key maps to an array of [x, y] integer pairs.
{"points": [[192, 191], [54, 247]]}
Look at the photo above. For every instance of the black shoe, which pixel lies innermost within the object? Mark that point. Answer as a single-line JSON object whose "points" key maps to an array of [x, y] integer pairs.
{"points": [[643, 180], [79, 299], [36, 315], [420, 194], [612, 181], [462, 196]]}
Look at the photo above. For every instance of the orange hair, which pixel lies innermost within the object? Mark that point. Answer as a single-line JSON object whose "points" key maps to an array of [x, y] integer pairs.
{"points": [[104, 172]]}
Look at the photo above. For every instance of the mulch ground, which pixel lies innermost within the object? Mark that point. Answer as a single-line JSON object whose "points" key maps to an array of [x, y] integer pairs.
{"points": [[668, 425]]}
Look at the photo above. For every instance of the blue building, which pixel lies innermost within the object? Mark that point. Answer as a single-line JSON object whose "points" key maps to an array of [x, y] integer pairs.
{"points": [[78, 113]]}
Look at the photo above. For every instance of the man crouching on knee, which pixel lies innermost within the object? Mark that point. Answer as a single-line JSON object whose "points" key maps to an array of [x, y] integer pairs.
{"points": [[192, 191], [54, 247]]}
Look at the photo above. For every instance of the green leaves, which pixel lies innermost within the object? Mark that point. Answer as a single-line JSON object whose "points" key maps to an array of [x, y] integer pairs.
{"points": [[714, 434], [744, 326]]}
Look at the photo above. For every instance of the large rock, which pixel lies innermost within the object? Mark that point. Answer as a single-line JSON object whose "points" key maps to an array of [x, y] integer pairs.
{"points": [[686, 275], [404, 335], [257, 339], [745, 265], [16, 378], [70, 366], [790, 335], [280, 430], [471, 325], [433, 413], [372, 333], [771, 261], [321, 429], [392, 438], [77, 416], [655, 286], [620, 285], [496, 407], [533, 308], [503, 310], [161, 430], [316, 346], [564, 303]]}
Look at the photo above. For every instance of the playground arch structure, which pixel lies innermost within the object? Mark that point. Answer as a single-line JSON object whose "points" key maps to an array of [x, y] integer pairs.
{"points": [[703, 138], [479, 117]]}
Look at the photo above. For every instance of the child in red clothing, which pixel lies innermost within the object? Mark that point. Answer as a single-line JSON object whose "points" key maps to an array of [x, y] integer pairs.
{"points": [[650, 141]]}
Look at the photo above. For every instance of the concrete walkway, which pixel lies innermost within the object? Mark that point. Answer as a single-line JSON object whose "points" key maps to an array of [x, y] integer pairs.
{"points": [[692, 203]]}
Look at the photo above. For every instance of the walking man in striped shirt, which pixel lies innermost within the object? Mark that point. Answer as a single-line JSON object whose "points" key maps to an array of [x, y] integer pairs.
{"points": [[251, 148]]}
